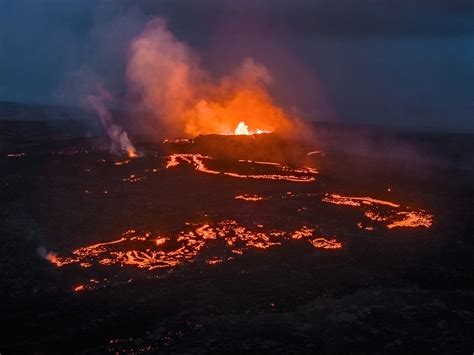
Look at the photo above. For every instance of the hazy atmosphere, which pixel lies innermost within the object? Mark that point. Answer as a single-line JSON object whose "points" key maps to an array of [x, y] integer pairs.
{"points": [[390, 63]]}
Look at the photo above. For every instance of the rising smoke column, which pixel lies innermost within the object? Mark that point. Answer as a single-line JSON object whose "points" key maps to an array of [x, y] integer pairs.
{"points": [[167, 75], [120, 142]]}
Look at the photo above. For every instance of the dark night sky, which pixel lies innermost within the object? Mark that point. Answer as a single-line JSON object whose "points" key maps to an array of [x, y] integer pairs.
{"points": [[388, 62]]}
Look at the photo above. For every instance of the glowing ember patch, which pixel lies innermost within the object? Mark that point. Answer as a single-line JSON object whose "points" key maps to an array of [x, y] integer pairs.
{"points": [[323, 243], [79, 288], [368, 228], [373, 216], [133, 178], [214, 261], [253, 198], [206, 232], [183, 140], [161, 241], [122, 162], [132, 153], [356, 201], [413, 219], [54, 259], [383, 212], [304, 232], [285, 173]]}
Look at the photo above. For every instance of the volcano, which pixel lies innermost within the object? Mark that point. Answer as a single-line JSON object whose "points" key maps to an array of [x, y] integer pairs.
{"points": [[250, 241]]}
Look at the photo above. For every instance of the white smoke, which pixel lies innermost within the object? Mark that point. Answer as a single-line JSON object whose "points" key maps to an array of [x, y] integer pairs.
{"points": [[120, 142]]}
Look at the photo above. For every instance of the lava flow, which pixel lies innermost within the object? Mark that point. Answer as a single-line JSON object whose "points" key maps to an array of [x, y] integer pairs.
{"points": [[252, 198], [383, 211], [280, 171], [148, 251]]}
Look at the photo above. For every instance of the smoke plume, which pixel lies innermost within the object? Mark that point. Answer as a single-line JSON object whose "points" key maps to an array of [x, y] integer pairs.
{"points": [[166, 74], [120, 142]]}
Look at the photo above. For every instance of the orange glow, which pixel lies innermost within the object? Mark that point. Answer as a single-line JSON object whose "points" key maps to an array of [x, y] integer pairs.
{"points": [[214, 261], [304, 232], [178, 141], [361, 226], [243, 129], [323, 243], [186, 99], [232, 101], [382, 211], [252, 198], [160, 241], [54, 259], [282, 172], [357, 201], [122, 162], [149, 252], [412, 219], [132, 153], [79, 288]]}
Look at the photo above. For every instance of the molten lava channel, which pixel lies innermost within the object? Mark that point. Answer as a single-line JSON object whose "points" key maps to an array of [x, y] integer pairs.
{"points": [[282, 172]]}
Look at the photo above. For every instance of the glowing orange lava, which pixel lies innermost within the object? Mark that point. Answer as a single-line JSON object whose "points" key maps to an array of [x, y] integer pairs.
{"points": [[304, 232], [357, 201], [132, 153], [412, 219], [383, 211], [79, 288], [282, 172], [214, 260], [323, 243], [252, 198], [146, 251], [54, 259], [178, 141], [243, 129], [122, 162]]}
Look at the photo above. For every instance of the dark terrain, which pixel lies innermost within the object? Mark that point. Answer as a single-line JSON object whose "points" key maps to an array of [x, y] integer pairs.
{"points": [[401, 290]]}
